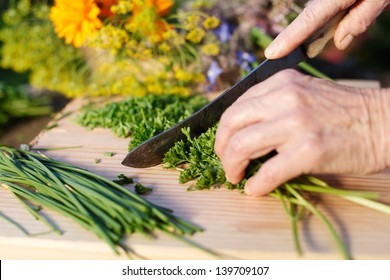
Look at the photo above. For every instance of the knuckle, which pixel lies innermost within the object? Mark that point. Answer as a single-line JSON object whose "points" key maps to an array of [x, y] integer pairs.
{"points": [[238, 145], [362, 23], [228, 117], [287, 75], [295, 96], [269, 174], [342, 5], [308, 16], [295, 88]]}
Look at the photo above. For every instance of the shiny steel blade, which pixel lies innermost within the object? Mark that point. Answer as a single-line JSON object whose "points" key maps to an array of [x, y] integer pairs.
{"points": [[152, 151]]}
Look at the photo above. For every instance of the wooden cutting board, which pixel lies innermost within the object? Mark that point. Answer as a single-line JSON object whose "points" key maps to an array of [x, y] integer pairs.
{"points": [[237, 226]]}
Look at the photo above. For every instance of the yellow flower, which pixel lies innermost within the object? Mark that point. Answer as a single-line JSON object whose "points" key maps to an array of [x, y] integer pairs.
{"points": [[195, 35], [169, 34], [182, 75], [199, 78], [122, 7], [164, 60], [75, 20], [210, 49], [180, 90], [191, 22], [164, 47], [154, 88], [211, 22], [198, 4]]}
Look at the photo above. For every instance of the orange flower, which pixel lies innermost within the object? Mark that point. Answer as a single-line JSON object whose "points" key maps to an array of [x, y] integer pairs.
{"points": [[159, 26], [105, 7], [162, 7], [75, 20]]}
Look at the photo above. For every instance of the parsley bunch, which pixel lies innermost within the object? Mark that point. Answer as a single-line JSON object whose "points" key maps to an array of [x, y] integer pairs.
{"points": [[196, 160], [142, 117]]}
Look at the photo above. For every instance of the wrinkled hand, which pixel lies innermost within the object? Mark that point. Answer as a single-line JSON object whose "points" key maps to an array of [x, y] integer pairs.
{"points": [[316, 126], [362, 13]]}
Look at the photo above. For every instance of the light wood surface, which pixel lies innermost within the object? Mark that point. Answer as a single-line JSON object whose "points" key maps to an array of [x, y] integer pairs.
{"points": [[237, 226]]}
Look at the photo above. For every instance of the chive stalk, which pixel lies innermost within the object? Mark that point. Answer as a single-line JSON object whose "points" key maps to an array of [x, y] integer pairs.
{"points": [[94, 202]]}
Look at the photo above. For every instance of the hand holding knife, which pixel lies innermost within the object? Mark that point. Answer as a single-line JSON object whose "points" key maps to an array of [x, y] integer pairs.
{"points": [[152, 151]]}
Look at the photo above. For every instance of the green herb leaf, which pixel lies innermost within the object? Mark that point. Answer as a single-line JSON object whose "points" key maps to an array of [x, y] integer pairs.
{"points": [[141, 189], [123, 180], [196, 160], [143, 117]]}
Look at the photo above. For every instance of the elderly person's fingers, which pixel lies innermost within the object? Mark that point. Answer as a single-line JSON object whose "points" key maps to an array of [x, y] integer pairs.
{"points": [[317, 13], [255, 141], [315, 126], [298, 159], [262, 101], [313, 17], [357, 21]]}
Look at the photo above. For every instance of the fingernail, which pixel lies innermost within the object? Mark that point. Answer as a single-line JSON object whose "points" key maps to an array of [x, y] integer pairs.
{"points": [[344, 43], [227, 178], [270, 51]]}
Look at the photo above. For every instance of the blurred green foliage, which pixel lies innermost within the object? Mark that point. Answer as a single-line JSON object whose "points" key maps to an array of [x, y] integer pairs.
{"points": [[19, 27], [16, 101], [30, 45]]}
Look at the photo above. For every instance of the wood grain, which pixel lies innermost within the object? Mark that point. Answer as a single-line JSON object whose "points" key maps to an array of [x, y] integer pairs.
{"points": [[236, 226]]}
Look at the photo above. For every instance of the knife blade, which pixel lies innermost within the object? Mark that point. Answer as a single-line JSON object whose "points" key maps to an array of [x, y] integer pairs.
{"points": [[152, 151]]}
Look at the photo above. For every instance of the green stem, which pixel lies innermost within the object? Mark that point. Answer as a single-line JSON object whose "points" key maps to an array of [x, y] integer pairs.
{"points": [[300, 200], [369, 203]]}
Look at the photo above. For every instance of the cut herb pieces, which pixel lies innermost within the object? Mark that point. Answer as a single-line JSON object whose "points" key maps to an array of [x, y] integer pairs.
{"points": [[196, 160], [108, 154], [94, 202], [200, 159], [123, 180], [141, 189], [143, 117]]}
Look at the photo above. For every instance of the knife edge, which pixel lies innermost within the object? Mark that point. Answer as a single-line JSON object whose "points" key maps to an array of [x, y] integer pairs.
{"points": [[152, 151]]}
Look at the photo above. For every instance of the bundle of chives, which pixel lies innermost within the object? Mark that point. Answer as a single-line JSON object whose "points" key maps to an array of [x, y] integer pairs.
{"points": [[94, 202]]}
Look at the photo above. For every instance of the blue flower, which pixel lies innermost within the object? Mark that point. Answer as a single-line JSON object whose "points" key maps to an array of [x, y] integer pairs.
{"points": [[246, 60], [224, 32], [213, 72]]}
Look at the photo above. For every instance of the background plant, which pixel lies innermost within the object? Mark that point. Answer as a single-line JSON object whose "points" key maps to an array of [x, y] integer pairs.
{"points": [[136, 47], [17, 102], [29, 44]]}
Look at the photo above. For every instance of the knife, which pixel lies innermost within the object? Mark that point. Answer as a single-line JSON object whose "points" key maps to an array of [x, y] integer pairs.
{"points": [[152, 151]]}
